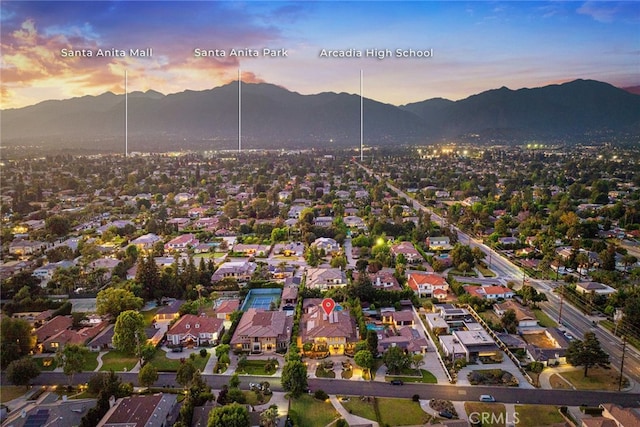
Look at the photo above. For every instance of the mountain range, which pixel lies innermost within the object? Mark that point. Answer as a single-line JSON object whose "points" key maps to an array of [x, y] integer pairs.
{"points": [[274, 117]]}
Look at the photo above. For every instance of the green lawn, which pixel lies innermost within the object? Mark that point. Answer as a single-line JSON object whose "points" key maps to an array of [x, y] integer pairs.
{"points": [[117, 361], [252, 398], [485, 271], [46, 363], [480, 409], [10, 392], [538, 415], [362, 408], [309, 412], [597, 379], [90, 361], [255, 367], [401, 412], [544, 320], [164, 364], [427, 377]]}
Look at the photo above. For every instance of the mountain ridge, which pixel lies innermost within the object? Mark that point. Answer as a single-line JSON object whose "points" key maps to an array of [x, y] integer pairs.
{"points": [[273, 116]]}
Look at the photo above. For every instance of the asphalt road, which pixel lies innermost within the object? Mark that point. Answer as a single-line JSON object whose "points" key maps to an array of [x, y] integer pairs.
{"points": [[375, 388]]}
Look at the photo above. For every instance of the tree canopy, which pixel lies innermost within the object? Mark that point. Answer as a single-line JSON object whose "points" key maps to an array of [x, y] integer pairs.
{"points": [[587, 353]]}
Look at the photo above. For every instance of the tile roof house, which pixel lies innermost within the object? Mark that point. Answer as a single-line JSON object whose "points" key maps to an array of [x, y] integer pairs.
{"points": [[408, 339], [524, 316], [425, 284], [409, 251], [181, 243], [69, 336], [156, 410], [226, 307], [262, 331], [195, 330], [53, 327], [169, 311], [325, 278], [336, 333], [239, 270]]}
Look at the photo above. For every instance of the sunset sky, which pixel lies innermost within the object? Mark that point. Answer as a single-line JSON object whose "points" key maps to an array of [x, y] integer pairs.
{"points": [[476, 46]]}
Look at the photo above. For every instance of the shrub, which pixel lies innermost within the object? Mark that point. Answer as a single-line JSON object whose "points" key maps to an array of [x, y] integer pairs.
{"points": [[321, 395], [415, 397], [203, 352]]}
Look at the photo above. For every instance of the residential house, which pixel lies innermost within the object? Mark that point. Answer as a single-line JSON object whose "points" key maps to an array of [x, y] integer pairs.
{"points": [[146, 241], [594, 288], [180, 224], [409, 252], [21, 247], [239, 270], [169, 311], [353, 221], [397, 318], [181, 243], [524, 316], [491, 292], [425, 284], [154, 410], [623, 417], [383, 279], [289, 297], [407, 338], [327, 244], [46, 271], [192, 330], [336, 333], [252, 250], [325, 278], [468, 344], [323, 221], [69, 336], [226, 307], [262, 331], [53, 327], [439, 243], [550, 349], [61, 413]]}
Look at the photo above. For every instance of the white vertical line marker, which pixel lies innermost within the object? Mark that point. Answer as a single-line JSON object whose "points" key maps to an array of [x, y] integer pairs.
{"points": [[239, 111], [126, 115], [361, 121]]}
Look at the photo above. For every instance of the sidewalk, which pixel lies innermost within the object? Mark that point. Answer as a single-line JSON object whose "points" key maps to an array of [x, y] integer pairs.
{"points": [[350, 418]]}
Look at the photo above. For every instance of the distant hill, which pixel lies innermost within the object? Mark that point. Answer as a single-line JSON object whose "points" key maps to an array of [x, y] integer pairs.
{"points": [[273, 117], [574, 108]]}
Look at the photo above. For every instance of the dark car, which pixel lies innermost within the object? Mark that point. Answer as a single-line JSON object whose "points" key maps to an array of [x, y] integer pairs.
{"points": [[445, 414], [176, 349], [396, 382]]}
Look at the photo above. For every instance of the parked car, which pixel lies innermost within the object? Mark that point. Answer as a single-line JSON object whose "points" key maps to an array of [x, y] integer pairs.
{"points": [[176, 349], [487, 398], [445, 414], [396, 382]]}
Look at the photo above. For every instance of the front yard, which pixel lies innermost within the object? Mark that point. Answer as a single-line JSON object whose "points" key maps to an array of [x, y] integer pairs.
{"points": [[306, 411], [164, 364], [117, 361]]}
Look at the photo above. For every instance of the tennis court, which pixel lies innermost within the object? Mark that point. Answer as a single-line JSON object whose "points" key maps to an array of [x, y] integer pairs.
{"points": [[261, 299]]}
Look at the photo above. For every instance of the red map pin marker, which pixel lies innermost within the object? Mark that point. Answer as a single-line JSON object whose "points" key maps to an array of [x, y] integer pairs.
{"points": [[328, 304]]}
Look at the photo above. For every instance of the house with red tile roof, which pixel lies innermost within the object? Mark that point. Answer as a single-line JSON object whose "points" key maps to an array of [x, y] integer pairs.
{"points": [[195, 330], [69, 336], [424, 284], [53, 327]]}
